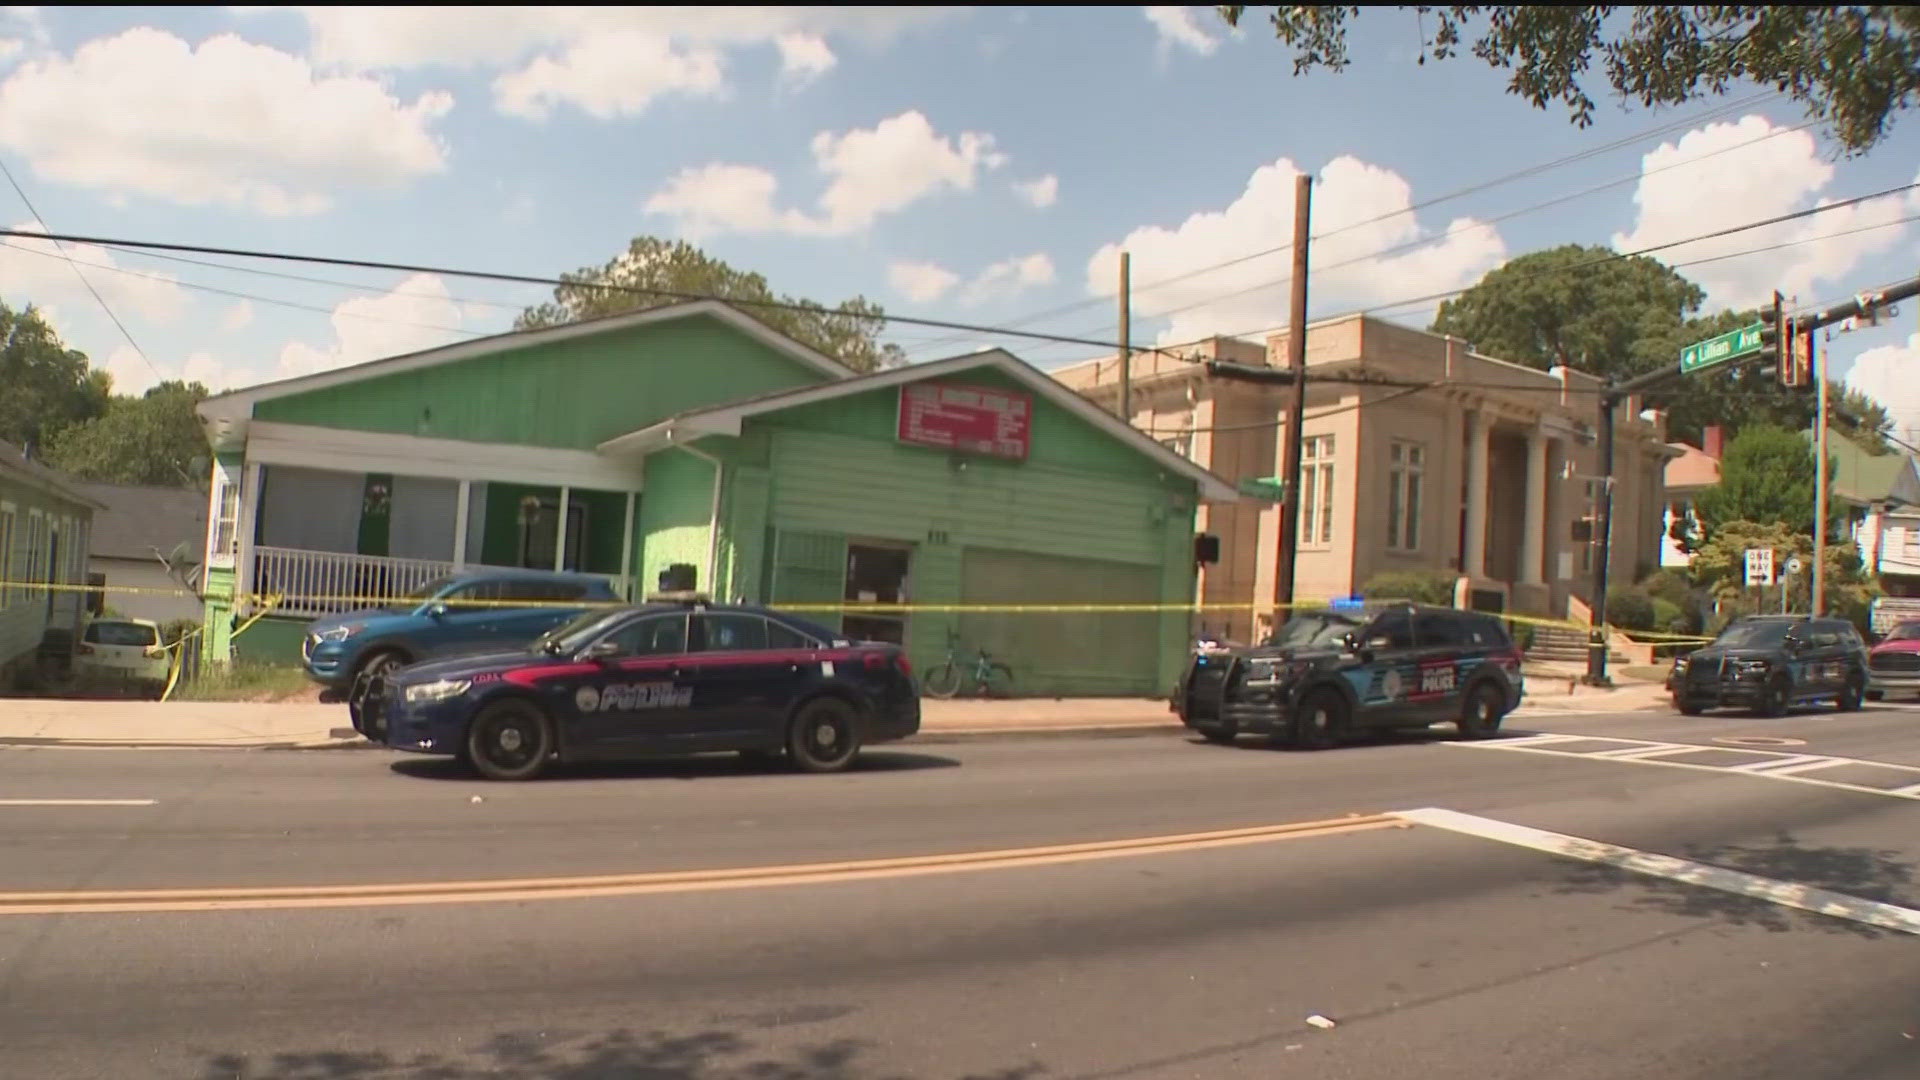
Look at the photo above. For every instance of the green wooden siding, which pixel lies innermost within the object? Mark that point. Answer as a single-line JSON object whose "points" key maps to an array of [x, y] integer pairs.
{"points": [[743, 535], [24, 610], [810, 568], [676, 511], [572, 394], [1069, 654]]}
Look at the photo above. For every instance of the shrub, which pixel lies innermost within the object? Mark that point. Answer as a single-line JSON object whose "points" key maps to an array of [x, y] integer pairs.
{"points": [[1420, 586], [1667, 616], [1630, 609]]}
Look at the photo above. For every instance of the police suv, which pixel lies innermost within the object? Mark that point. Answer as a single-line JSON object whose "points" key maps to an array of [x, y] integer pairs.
{"points": [[1325, 675], [676, 675]]}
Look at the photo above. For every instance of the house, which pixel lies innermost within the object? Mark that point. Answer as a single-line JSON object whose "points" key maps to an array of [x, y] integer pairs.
{"points": [[44, 521], [1879, 496], [1692, 471], [694, 436], [1419, 454], [146, 548]]}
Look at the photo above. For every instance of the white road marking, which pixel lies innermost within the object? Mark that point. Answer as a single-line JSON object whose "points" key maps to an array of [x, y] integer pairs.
{"points": [[1784, 893], [1774, 765], [76, 802]]}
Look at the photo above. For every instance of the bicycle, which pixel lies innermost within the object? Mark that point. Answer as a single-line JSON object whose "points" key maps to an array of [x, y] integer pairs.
{"points": [[944, 680]]}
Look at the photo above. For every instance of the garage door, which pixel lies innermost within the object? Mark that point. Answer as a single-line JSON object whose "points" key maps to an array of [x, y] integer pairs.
{"points": [[1064, 654]]}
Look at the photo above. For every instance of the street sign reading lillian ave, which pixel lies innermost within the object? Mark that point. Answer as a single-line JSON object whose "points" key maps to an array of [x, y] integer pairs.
{"points": [[1718, 350]]}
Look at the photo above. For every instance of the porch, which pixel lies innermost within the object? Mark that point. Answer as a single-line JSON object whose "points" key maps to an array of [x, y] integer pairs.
{"points": [[329, 541]]}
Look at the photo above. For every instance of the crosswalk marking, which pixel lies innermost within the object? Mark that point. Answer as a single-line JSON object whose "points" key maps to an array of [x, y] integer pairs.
{"points": [[1773, 764]]}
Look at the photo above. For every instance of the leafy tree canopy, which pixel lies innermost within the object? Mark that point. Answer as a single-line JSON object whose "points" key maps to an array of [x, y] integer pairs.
{"points": [[849, 332], [1766, 476], [1720, 567], [151, 439], [47, 385], [1852, 66]]}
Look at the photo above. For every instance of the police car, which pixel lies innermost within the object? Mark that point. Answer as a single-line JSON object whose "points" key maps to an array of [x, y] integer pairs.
{"points": [[674, 676], [1325, 675]]}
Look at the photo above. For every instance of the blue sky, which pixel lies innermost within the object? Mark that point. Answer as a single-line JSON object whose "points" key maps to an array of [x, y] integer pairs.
{"points": [[981, 165]]}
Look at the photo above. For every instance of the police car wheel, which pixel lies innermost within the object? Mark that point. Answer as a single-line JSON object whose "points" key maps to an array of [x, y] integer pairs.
{"points": [[1774, 700], [824, 736], [1851, 697], [1480, 715], [509, 740], [1319, 720], [366, 682], [1221, 736]]}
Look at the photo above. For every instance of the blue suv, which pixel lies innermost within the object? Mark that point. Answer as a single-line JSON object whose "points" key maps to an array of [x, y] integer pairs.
{"points": [[475, 611]]}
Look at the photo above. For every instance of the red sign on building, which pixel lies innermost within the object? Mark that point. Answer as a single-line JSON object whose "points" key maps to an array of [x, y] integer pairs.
{"points": [[977, 419]]}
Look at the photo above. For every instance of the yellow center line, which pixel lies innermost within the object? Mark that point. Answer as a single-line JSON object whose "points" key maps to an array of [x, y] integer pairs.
{"points": [[519, 889]]}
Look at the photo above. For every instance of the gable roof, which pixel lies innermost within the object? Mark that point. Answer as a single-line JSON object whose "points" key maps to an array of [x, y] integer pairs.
{"points": [[15, 462], [238, 404], [726, 419], [137, 518], [1862, 477]]}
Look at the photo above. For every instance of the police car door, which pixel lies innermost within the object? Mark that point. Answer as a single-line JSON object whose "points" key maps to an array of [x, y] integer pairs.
{"points": [[1440, 646], [743, 685], [637, 700]]}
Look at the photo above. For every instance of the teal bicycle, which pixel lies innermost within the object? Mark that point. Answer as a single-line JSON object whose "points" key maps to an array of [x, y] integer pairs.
{"points": [[945, 679]]}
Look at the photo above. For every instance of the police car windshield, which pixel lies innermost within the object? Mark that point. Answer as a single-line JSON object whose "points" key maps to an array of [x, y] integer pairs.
{"points": [[1753, 635], [1317, 629], [575, 632]]}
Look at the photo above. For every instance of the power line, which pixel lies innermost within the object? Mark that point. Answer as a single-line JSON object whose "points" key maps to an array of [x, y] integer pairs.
{"points": [[1709, 115], [101, 300], [337, 283]]}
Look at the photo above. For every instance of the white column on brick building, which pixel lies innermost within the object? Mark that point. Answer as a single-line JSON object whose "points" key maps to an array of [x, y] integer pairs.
{"points": [[1474, 558], [1533, 537]]}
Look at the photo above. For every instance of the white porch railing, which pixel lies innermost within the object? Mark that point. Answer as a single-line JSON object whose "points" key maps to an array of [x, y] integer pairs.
{"points": [[316, 583]]}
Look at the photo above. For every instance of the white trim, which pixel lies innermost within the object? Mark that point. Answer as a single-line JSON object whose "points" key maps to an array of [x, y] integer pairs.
{"points": [[560, 530], [462, 507], [237, 405], [713, 515], [343, 450], [726, 419], [243, 527], [626, 549]]}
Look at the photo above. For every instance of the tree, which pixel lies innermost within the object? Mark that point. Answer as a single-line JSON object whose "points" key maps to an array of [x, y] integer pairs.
{"points": [[849, 333], [151, 439], [1587, 309], [1853, 67], [1720, 567], [1767, 476], [47, 385]]}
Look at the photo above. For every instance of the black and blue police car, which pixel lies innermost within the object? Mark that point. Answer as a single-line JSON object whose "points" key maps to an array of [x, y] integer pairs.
{"points": [[1357, 666], [676, 675]]}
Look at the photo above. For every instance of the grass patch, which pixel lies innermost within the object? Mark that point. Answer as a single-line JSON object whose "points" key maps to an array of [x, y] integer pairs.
{"points": [[242, 681]]}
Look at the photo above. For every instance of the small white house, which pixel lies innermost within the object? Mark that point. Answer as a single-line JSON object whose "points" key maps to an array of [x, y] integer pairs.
{"points": [[146, 549]]}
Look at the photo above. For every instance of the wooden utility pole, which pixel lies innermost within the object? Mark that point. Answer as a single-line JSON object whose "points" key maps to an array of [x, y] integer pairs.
{"points": [[1817, 601], [1296, 407], [1126, 341]]}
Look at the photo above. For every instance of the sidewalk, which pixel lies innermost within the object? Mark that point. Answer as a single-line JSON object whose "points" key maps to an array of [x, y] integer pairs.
{"points": [[307, 725]]}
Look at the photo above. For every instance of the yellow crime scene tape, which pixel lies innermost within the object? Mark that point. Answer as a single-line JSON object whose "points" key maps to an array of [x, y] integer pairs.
{"points": [[348, 601]]}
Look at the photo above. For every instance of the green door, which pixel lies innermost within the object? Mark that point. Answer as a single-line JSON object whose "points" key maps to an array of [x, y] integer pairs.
{"points": [[808, 568], [1063, 653]]}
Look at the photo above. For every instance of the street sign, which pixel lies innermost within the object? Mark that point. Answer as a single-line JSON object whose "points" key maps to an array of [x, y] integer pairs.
{"points": [[1759, 566], [1264, 487], [1793, 565], [1718, 350]]}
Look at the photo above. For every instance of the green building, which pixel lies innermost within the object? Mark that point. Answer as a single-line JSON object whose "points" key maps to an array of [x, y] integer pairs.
{"points": [[693, 435]]}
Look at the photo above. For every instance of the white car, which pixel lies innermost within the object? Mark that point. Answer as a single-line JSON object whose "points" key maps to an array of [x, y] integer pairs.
{"points": [[124, 649]]}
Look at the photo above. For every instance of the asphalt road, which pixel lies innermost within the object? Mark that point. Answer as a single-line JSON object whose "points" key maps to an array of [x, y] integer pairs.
{"points": [[1437, 954]]}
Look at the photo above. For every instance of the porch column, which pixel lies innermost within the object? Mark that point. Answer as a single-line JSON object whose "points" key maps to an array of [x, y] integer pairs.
{"points": [[243, 528], [626, 551], [1473, 560], [560, 531], [1533, 537], [462, 504]]}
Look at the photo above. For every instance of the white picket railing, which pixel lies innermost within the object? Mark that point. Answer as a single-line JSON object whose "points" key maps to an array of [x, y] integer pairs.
{"points": [[314, 583]]}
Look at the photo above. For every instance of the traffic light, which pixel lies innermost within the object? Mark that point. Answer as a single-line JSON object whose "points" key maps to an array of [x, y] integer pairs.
{"points": [[1776, 341]]}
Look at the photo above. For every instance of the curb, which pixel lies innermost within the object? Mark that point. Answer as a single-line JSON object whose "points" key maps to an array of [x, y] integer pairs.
{"points": [[355, 742]]}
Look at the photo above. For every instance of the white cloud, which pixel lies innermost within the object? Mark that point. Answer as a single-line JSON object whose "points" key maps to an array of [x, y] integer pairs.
{"points": [[607, 61], [229, 123], [921, 282], [238, 317], [615, 74], [1009, 277], [134, 376], [1887, 374], [804, 57], [871, 172], [418, 314], [1181, 26], [1040, 193], [36, 271], [1350, 262], [1780, 175]]}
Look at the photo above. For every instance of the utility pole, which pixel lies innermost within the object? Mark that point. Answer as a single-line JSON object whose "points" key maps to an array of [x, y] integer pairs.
{"points": [[1290, 507], [1818, 365], [1126, 340]]}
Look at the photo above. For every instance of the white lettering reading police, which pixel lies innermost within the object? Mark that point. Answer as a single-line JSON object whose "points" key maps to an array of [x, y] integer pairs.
{"points": [[624, 696]]}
